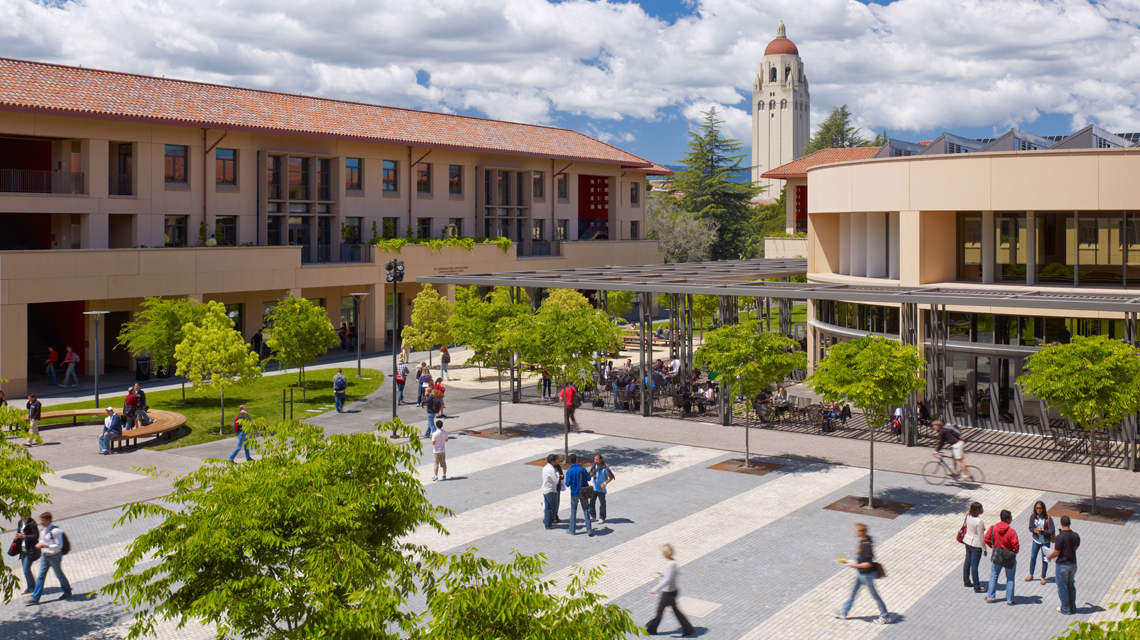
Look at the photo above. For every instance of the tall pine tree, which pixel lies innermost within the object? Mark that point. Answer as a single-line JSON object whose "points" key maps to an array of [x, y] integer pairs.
{"points": [[705, 187], [837, 132]]}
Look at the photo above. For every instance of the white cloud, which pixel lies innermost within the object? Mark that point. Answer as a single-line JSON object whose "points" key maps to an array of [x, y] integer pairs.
{"points": [[907, 66]]}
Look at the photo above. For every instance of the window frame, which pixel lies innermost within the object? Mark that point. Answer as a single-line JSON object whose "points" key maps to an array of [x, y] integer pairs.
{"points": [[455, 181], [324, 180], [562, 187], [390, 177], [170, 173], [354, 175], [220, 165], [423, 179], [182, 222], [226, 239], [538, 186], [635, 194]]}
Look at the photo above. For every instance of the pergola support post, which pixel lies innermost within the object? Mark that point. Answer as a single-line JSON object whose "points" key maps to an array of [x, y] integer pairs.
{"points": [[646, 354], [908, 335], [515, 388]]}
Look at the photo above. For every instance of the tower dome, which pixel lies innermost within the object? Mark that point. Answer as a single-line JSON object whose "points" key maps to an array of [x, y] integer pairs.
{"points": [[781, 44]]}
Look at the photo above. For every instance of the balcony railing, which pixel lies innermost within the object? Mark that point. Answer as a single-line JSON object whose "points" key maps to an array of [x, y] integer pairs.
{"points": [[25, 181], [119, 184], [539, 249]]}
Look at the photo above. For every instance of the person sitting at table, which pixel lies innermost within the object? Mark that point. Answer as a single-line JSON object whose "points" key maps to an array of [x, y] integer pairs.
{"points": [[707, 397], [609, 369], [635, 397], [658, 366], [780, 401], [629, 364]]}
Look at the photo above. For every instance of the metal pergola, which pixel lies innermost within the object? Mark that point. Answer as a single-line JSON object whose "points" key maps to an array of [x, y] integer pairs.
{"points": [[765, 279]]}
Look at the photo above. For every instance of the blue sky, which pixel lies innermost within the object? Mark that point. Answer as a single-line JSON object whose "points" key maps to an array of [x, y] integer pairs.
{"points": [[636, 75]]}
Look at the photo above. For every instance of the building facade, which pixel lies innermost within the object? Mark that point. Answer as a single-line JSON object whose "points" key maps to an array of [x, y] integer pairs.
{"points": [[781, 111], [115, 187]]}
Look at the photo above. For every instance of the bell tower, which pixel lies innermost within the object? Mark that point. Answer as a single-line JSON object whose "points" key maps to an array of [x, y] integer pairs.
{"points": [[780, 111]]}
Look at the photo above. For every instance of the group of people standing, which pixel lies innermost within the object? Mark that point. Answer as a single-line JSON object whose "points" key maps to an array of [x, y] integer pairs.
{"points": [[588, 489]]}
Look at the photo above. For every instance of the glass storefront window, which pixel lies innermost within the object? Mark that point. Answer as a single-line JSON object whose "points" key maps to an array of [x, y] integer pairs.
{"points": [[970, 246], [959, 326], [1032, 331], [984, 328], [1011, 243], [1057, 330], [1056, 247], [1100, 248]]}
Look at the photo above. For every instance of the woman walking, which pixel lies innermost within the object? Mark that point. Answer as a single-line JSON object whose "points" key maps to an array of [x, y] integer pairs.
{"points": [[423, 384], [1042, 531], [668, 588], [70, 359], [867, 570], [444, 360], [975, 531]]}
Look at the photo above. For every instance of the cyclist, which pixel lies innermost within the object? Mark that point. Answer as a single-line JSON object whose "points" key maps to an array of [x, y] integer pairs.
{"points": [[949, 436]]}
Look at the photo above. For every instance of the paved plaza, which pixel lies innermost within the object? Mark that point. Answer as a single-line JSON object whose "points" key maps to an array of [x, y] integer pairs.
{"points": [[757, 551]]}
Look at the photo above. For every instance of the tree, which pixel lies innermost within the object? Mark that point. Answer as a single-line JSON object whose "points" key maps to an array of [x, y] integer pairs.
{"points": [[683, 236], [475, 319], [880, 139], [1093, 382], [20, 476], [300, 332], [214, 356], [836, 132], [704, 308], [157, 330], [314, 550], [874, 374], [768, 220], [478, 598], [619, 303], [429, 327], [1128, 628], [706, 188], [747, 360]]}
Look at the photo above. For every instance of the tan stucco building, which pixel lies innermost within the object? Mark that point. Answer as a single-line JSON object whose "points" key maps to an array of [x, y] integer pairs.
{"points": [[113, 187]]}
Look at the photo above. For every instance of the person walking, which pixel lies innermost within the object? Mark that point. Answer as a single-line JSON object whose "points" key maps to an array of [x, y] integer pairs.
{"points": [[342, 333], [972, 538], [52, 357], [340, 386], [112, 428], [439, 390], [432, 404], [444, 360], [29, 535], [867, 569], [401, 379], [667, 585], [602, 476], [551, 487], [34, 410], [577, 478], [1041, 532], [1002, 538], [569, 398], [241, 421], [51, 546], [351, 337], [439, 450], [422, 383], [70, 359], [1066, 544], [256, 342]]}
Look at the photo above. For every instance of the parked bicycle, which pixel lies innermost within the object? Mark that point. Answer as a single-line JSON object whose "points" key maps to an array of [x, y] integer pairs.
{"points": [[940, 470]]}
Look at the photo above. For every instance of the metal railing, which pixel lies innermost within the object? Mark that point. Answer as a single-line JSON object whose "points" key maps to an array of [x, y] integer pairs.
{"points": [[119, 184], [539, 249], [26, 181], [352, 253]]}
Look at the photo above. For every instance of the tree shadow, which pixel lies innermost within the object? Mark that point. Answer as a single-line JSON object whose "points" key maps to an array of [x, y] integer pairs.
{"points": [[47, 619]]}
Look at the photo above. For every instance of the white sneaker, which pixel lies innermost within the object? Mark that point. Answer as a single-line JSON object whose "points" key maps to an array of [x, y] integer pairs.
{"points": [[601, 521], [839, 614], [884, 619], [434, 478], [445, 476]]}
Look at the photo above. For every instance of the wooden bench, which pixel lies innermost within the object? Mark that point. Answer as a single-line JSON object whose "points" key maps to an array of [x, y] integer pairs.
{"points": [[164, 423]]}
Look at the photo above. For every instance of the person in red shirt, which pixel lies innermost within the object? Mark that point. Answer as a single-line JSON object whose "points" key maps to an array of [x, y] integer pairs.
{"points": [[130, 407], [1001, 536], [566, 396], [50, 362]]}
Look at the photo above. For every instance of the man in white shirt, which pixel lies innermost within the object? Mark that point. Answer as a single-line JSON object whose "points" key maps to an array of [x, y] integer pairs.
{"points": [[51, 544], [551, 485], [439, 449], [675, 366]]}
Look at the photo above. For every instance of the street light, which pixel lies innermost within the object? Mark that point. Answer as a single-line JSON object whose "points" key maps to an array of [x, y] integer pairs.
{"points": [[395, 275], [358, 298], [96, 315]]}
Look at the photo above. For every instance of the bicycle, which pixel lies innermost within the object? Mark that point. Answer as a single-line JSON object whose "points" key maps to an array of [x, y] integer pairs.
{"points": [[939, 471]]}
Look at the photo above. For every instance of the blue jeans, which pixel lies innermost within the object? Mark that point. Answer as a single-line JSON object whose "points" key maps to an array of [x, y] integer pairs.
{"points": [[598, 498], [549, 508], [105, 440], [431, 426], [970, 567], [616, 396], [54, 562], [399, 394], [26, 563], [546, 387], [443, 371], [338, 398], [240, 445], [420, 396], [70, 375], [1067, 587], [1042, 550], [865, 580], [50, 371], [574, 502], [995, 571]]}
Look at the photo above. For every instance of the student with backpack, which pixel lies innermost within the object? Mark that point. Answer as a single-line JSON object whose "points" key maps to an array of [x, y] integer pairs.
{"points": [[54, 545], [340, 386], [951, 437], [241, 417]]}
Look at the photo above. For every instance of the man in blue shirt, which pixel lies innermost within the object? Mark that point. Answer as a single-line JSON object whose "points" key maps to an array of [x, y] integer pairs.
{"points": [[112, 428], [576, 478], [602, 477]]}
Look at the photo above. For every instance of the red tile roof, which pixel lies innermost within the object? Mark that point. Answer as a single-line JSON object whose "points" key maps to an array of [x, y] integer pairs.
{"points": [[781, 45], [798, 168], [62, 90]]}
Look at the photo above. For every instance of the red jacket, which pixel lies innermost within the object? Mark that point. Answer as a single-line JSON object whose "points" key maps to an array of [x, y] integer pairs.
{"points": [[1004, 536]]}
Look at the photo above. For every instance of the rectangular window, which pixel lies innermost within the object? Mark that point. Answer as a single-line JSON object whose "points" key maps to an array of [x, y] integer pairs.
{"points": [[175, 165], [563, 190], [298, 178], [503, 187], [225, 231], [455, 227], [391, 228], [634, 194], [560, 233], [970, 246], [298, 207], [225, 166], [273, 235], [390, 178], [538, 185], [423, 177], [1056, 247], [538, 231], [175, 231], [352, 167], [519, 177], [1101, 250], [455, 179], [324, 179], [273, 178], [423, 227], [352, 228], [488, 191], [634, 230], [1010, 235]]}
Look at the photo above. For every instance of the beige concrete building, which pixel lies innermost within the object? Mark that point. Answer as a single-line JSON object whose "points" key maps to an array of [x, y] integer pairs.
{"points": [[114, 187]]}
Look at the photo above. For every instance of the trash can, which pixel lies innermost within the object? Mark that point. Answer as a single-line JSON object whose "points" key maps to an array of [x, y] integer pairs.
{"points": [[142, 369]]}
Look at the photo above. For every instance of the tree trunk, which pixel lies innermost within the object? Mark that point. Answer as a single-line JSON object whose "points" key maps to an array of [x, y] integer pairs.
{"points": [[183, 389], [1092, 468], [747, 425], [871, 477], [222, 428]]}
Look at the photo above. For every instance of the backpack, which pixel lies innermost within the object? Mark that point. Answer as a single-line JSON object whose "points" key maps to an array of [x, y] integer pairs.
{"points": [[65, 548], [577, 401], [340, 383], [237, 424]]}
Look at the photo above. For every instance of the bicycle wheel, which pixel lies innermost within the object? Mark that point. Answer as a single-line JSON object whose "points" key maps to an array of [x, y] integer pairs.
{"points": [[934, 472], [976, 474]]}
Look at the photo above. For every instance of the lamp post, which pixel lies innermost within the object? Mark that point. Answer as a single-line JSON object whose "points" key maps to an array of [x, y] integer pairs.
{"points": [[95, 315], [357, 298], [395, 275]]}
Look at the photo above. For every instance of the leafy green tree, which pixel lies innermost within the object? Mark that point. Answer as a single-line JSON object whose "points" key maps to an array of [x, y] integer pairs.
{"points": [[836, 131], [478, 599], [706, 189], [214, 357], [475, 319], [704, 309], [619, 303], [313, 548], [300, 332], [682, 235], [1093, 382], [1127, 628], [20, 477], [880, 139], [768, 220], [748, 360], [873, 373], [430, 314], [157, 330]]}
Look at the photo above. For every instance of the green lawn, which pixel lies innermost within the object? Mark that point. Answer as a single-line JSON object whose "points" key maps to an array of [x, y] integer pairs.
{"points": [[262, 398]]}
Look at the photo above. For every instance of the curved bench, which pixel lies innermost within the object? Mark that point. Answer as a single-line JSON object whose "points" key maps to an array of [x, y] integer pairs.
{"points": [[164, 423]]}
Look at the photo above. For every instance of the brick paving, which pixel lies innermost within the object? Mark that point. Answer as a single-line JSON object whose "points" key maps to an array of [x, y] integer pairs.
{"points": [[756, 551]]}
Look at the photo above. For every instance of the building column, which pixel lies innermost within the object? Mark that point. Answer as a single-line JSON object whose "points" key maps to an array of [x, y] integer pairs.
{"points": [[877, 245], [893, 246], [845, 244], [858, 244], [372, 329], [14, 350], [1030, 247], [94, 230], [988, 248]]}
